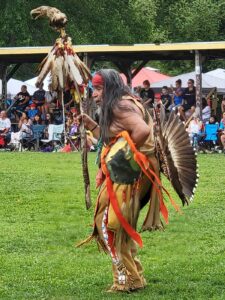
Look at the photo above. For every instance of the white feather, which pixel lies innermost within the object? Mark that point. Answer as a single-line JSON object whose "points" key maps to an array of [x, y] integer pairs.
{"points": [[59, 71], [74, 72], [45, 69]]}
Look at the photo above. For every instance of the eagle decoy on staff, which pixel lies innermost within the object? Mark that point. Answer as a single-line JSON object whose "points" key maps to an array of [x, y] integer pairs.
{"points": [[65, 68], [57, 19]]}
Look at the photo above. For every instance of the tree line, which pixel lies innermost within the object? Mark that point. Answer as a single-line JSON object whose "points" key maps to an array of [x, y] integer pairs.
{"points": [[116, 22]]}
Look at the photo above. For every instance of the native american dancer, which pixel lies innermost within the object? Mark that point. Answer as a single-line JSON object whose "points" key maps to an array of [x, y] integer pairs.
{"points": [[129, 174]]}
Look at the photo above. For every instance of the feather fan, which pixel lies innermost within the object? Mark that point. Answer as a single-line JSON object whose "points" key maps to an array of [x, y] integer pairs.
{"points": [[176, 155]]}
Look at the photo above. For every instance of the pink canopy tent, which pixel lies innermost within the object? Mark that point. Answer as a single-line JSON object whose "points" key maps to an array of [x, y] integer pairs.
{"points": [[146, 73]]}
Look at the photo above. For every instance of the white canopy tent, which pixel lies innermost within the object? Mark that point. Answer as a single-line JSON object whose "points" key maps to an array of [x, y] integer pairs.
{"points": [[33, 80], [208, 82], [14, 87], [219, 73]]}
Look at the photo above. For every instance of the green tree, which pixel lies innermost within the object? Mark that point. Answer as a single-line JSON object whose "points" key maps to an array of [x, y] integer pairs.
{"points": [[116, 22]]}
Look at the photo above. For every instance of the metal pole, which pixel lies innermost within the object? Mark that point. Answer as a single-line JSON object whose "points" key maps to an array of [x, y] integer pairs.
{"points": [[198, 73]]}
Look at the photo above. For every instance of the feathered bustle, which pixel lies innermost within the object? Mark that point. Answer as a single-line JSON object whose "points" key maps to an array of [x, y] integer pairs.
{"points": [[177, 157]]}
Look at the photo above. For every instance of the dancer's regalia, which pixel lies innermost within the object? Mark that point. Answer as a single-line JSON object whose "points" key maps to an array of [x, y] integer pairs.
{"points": [[131, 175], [131, 179]]}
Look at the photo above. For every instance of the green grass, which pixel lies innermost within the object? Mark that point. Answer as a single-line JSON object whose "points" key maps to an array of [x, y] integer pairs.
{"points": [[43, 215]]}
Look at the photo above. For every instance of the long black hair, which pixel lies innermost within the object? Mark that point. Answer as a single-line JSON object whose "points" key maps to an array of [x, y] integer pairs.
{"points": [[113, 91]]}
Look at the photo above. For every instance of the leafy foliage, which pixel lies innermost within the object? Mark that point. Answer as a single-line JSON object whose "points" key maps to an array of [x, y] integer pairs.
{"points": [[117, 22]]}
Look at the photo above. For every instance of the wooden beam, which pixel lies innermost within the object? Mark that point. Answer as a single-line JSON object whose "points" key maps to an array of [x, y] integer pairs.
{"points": [[138, 69], [13, 71], [125, 68]]}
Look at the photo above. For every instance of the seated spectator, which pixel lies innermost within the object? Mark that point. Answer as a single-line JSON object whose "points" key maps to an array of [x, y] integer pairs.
{"points": [[50, 100], [212, 120], [74, 126], [147, 95], [32, 111], [166, 98], [22, 101], [37, 120], [48, 121], [222, 122], [222, 132], [189, 100], [177, 97], [39, 98], [137, 91], [24, 130], [69, 120], [5, 127], [74, 134], [195, 130], [223, 105], [206, 111], [57, 117]]}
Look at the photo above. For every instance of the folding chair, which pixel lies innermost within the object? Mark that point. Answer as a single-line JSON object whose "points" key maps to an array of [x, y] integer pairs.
{"points": [[34, 140], [211, 135], [54, 134], [38, 132]]}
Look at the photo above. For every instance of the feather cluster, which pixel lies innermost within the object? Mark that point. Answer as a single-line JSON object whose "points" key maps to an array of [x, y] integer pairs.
{"points": [[64, 65], [177, 156]]}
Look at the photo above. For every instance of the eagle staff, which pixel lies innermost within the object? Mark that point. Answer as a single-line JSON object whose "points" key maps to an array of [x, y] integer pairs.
{"points": [[65, 68]]}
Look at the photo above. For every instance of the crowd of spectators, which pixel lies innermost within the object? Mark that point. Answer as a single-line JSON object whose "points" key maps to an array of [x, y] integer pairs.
{"points": [[205, 130], [42, 108], [45, 108]]}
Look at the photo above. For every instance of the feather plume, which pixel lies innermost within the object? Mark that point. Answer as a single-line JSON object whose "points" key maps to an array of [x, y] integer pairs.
{"points": [[54, 78], [74, 72], [45, 69], [59, 71], [82, 68], [177, 157]]}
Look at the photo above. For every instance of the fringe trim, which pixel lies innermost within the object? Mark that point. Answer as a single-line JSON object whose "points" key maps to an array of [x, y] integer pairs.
{"points": [[100, 243], [87, 240]]}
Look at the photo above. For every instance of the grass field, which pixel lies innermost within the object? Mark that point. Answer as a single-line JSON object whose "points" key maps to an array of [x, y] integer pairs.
{"points": [[43, 215]]}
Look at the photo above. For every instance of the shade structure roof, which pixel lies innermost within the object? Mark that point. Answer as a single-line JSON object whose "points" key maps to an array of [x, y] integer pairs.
{"points": [[208, 81], [169, 51], [146, 73]]}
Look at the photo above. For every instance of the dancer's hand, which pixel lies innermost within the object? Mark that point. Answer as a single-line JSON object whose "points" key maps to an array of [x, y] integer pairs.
{"points": [[89, 123]]}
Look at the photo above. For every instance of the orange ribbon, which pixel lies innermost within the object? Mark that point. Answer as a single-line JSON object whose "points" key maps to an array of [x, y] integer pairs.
{"points": [[144, 164]]}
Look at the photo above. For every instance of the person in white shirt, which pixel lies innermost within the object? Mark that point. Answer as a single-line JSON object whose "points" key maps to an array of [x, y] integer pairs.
{"points": [[195, 130], [5, 125], [206, 111]]}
